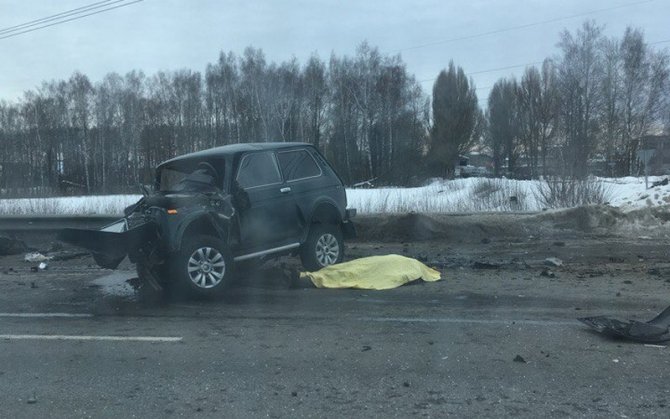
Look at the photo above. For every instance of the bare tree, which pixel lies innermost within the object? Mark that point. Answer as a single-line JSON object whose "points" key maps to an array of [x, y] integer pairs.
{"points": [[537, 98], [610, 109], [580, 72], [504, 125], [454, 117], [316, 91], [81, 118]]}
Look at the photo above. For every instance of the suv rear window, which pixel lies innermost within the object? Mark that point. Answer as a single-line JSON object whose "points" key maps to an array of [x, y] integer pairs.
{"points": [[258, 169], [298, 164]]}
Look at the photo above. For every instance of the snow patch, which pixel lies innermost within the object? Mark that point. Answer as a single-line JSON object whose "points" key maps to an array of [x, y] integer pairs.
{"points": [[439, 196]]}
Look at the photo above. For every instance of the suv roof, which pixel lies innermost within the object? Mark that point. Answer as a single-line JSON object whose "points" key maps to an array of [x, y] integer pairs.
{"points": [[231, 149]]}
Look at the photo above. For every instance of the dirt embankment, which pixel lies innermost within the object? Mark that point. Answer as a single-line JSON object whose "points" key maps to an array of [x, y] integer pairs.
{"points": [[590, 220], [477, 227]]}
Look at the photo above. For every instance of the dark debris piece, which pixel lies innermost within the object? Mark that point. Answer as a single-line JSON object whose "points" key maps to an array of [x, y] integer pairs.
{"points": [[653, 331], [65, 255], [519, 358], [11, 246], [663, 182], [485, 265]]}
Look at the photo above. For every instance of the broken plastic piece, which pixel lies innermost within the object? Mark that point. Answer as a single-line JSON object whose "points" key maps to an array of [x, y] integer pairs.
{"points": [[653, 331], [36, 257]]}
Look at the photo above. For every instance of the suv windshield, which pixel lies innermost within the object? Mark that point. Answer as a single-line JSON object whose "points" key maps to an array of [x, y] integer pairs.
{"points": [[180, 179], [169, 179]]}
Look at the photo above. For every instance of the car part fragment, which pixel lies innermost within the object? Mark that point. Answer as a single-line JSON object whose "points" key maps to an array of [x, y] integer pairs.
{"points": [[653, 331]]}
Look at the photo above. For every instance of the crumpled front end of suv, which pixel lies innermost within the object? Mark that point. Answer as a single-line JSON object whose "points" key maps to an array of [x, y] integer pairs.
{"points": [[153, 227]]}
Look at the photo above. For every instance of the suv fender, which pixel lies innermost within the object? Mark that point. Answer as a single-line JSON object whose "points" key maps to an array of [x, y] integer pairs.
{"points": [[198, 223], [325, 212]]}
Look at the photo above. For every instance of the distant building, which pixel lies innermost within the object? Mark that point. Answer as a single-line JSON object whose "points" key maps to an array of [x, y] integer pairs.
{"points": [[474, 164], [659, 147]]}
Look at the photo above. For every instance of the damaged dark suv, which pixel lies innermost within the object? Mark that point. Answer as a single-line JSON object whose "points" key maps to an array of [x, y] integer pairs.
{"points": [[210, 210]]}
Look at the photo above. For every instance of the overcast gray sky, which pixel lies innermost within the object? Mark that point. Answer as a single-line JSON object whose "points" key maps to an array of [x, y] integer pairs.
{"points": [[155, 35]]}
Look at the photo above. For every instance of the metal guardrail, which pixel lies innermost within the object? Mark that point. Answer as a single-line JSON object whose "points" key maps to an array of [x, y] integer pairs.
{"points": [[49, 223]]}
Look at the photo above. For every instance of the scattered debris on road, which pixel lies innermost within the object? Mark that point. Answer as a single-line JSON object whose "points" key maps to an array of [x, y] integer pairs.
{"points": [[519, 358], [649, 345], [556, 262], [485, 265], [36, 257], [654, 331], [68, 255]]}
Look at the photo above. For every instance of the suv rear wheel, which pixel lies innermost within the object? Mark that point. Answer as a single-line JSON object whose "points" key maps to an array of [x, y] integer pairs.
{"points": [[203, 267], [324, 247]]}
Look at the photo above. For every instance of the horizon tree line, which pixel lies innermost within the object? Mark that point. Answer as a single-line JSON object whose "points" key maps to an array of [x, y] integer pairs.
{"points": [[366, 113]]}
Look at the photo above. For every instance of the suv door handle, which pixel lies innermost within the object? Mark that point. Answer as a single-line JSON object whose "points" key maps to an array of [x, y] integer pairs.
{"points": [[285, 190]]}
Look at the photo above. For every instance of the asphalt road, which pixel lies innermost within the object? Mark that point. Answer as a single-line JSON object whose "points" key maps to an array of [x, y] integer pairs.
{"points": [[78, 342]]}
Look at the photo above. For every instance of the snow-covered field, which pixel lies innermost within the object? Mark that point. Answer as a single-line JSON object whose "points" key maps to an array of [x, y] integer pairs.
{"points": [[440, 196]]}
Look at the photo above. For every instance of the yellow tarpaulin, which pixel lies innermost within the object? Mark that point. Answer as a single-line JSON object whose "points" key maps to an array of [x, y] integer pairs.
{"points": [[373, 273]]}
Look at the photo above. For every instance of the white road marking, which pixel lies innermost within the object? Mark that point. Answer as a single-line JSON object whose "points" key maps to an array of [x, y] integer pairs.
{"points": [[96, 338], [38, 315], [470, 321]]}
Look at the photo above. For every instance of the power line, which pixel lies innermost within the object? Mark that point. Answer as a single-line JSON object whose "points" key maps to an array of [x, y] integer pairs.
{"points": [[524, 26], [492, 70], [504, 68], [70, 19], [67, 13]]}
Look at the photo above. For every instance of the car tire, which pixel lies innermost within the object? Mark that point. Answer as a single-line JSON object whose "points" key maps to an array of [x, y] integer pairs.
{"points": [[203, 267], [324, 246]]}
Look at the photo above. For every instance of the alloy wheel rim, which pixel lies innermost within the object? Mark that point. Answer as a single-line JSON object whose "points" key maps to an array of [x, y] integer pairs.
{"points": [[327, 249], [206, 267]]}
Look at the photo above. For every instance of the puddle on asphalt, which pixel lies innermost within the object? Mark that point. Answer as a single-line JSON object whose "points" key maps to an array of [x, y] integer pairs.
{"points": [[117, 284]]}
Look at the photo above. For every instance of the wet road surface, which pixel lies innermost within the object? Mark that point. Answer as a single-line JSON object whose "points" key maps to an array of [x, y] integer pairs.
{"points": [[78, 341]]}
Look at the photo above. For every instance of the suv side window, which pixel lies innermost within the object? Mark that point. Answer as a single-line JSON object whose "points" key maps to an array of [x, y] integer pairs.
{"points": [[298, 164], [258, 169]]}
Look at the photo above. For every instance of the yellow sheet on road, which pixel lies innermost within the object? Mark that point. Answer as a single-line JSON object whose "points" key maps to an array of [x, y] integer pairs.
{"points": [[372, 273]]}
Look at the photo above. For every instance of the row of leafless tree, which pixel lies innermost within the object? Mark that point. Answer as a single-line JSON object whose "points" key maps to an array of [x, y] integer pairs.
{"points": [[366, 113], [595, 101]]}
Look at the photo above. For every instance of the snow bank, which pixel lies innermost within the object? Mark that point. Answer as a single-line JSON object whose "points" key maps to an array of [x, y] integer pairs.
{"points": [[439, 196]]}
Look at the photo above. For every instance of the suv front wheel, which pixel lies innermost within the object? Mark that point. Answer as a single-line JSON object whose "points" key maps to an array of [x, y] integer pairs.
{"points": [[324, 247], [203, 267]]}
